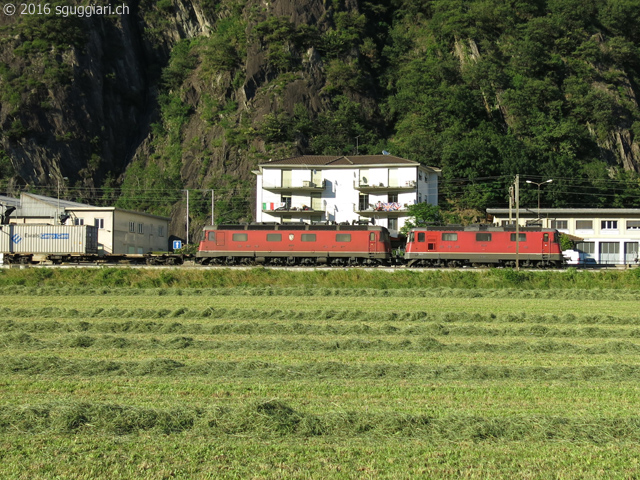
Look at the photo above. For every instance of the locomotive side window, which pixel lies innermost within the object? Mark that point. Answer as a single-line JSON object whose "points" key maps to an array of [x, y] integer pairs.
{"points": [[421, 236], [211, 236], [523, 237], [274, 237], [343, 237], [483, 237], [308, 237], [450, 237], [545, 237], [240, 237], [372, 237]]}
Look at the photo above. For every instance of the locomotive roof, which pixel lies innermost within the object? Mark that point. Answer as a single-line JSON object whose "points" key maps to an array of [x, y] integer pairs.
{"points": [[479, 228], [293, 226]]}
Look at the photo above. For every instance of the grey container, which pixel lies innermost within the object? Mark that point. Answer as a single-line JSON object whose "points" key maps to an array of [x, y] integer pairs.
{"points": [[45, 239]]}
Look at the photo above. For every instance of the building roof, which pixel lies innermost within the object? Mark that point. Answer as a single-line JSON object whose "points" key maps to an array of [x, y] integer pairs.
{"points": [[80, 207], [337, 161], [9, 201], [54, 201], [567, 211]]}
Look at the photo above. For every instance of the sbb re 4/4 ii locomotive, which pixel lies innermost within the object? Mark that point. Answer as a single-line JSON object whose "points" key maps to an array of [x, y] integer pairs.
{"points": [[295, 244], [483, 246]]}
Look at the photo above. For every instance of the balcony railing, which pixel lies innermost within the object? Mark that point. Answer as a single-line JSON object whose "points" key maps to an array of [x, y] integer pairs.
{"points": [[390, 209], [304, 186], [362, 186]]}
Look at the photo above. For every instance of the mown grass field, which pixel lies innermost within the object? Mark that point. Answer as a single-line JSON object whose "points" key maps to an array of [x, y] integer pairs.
{"points": [[127, 374]]}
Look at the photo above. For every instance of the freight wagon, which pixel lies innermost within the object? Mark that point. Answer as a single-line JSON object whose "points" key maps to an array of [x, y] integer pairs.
{"points": [[47, 243]]}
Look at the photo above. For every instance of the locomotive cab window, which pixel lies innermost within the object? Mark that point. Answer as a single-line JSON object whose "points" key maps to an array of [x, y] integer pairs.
{"points": [[308, 237], [372, 237], [483, 237], [240, 237], [522, 237], [421, 236], [343, 237], [274, 237], [211, 236], [449, 237]]}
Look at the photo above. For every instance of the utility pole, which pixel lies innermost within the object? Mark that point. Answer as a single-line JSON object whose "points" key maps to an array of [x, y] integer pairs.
{"points": [[57, 219], [511, 205], [517, 190], [187, 217], [212, 207]]}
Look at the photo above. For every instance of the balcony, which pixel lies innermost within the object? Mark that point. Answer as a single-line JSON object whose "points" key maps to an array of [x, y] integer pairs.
{"points": [[381, 187], [381, 210], [304, 186], [300, 211]]}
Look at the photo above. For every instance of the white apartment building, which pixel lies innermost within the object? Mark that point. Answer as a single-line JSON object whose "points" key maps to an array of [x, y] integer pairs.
{"points": [[605, 235], [314, 188]]}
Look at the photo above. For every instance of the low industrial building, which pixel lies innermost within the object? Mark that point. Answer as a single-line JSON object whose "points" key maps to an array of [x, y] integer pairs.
{"points": [[604, 235], [119, 231]]}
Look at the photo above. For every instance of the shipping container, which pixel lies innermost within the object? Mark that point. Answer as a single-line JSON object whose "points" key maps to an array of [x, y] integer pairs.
{"points": [[48, 239]]}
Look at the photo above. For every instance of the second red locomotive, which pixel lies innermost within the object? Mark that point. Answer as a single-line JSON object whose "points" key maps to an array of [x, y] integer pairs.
{"points": [[483, 245], [295, 244]]}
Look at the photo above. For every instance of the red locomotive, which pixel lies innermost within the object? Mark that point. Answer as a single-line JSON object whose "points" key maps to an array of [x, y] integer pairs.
{"points": [[295, 244], [482, 245]]}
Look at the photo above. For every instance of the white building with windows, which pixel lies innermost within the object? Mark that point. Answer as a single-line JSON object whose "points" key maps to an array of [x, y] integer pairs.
{"points": [[119, 231], [606, 235], [314, 188]]}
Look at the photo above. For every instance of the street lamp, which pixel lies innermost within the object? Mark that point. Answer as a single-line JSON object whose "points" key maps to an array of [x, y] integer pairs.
{"points": [[539, 185]]}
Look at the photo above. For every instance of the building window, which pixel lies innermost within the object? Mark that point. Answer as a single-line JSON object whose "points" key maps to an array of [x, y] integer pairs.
{"points": [[559, 224], [308, 237], [78, 221], [132, 227], [286, 201], [419, 198], [363, 202], [239, 237], [343, 237], [586, 247], [99, 222], [393, 224], [141, 228], [522, 237], [161, 231], [419, 175], [449, 237], [483, 237], [609, 224], [584, 224], [393, 198], [274, 237], [633, 224], [609, 252]]}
